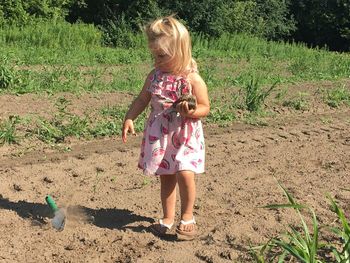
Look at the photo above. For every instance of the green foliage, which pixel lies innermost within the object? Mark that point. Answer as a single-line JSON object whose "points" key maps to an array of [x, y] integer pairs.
{"points": [[335, 97], [302, 243], [22, 12], [318, 23], [74, 64], [119, 33], [267, 19], [304, 246], [63, 124], [117, 113], [7, 74], [275, 19], [211, 17], [323, 22], [342, 254], [52, 34], [255, 96], [119, 20], [222, 115], [298, 103], [8, 130]]}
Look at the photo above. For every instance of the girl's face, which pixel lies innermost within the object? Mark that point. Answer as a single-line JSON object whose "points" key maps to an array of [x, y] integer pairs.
{"points": [[161, 59]]}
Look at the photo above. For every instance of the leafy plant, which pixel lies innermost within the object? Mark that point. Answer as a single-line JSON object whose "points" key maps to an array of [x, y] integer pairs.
{"points": [[7, 75], [62, 125], [255, 96], [335, 97], [97, 179], [255, 118], [302, 243], [302, 246], [298, 103], [221, 115], [105, 128], [8, 130], [341, 255]]}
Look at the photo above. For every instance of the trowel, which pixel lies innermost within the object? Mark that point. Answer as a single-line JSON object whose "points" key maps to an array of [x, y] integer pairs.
{"points": [[59, 220]]}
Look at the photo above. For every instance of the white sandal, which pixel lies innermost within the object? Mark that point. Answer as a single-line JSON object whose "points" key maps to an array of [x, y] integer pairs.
{"points": [[160, 228], [186, 235]]}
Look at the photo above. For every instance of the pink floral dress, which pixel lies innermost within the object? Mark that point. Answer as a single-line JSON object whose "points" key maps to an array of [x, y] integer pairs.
{"points": [[170, 143]]}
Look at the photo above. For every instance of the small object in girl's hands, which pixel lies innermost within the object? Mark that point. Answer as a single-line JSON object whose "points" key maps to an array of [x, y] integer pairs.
{"points": [[191, 100]]}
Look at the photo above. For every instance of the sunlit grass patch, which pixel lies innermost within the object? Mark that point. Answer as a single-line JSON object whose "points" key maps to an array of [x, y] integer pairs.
{"points": [[299, 102], [255, 95], [337, 96], [8, 76], [8, 132]]}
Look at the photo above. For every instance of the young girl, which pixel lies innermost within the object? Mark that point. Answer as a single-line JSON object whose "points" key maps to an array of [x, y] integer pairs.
{"points": [[173, 142]]}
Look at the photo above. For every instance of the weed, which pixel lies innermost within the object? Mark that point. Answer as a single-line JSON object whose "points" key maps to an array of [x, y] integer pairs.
{"points": [[145, 182], [281, 94], [7, 74], [49, 131], [97, 180], [341, 255], [326, 120], [298, 103], [254, 118], [303, 244], [335, 97], [63, 124], [221, 114], [8, 130], [105, 128], [255, 96]]}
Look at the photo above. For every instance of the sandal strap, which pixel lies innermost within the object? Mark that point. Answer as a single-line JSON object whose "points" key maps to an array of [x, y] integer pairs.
{"points": [[168, 226], [192, 221]]}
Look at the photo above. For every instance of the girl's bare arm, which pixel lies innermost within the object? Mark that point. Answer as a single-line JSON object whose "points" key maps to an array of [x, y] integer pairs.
{"points": [[138, 106], [200, 90], [141, 101]]}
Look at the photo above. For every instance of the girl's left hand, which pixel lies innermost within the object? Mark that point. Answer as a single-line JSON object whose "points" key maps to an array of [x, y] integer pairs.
{"points": [[182, 108]]}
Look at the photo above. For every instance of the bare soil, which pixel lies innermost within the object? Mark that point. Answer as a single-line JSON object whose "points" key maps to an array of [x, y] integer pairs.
{"points": [[111, 204]]}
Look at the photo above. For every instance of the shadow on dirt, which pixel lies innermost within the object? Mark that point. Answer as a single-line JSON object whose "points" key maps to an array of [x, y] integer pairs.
{"points": [[103, 218], [115, 218]]}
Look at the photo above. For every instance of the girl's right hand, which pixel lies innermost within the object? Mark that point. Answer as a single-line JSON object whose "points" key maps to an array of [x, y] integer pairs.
{"points": [[128, 126]]}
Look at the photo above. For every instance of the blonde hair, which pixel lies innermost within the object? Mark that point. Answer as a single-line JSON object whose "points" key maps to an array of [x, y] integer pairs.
{"points": [[169, 37]]}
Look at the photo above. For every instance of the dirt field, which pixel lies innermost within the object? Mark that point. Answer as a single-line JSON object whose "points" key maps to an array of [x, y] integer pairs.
{"points": [[111, 204]]}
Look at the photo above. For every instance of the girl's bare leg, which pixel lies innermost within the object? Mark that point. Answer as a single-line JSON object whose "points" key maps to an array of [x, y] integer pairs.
{"points": [[168, 197], [187, 188]]}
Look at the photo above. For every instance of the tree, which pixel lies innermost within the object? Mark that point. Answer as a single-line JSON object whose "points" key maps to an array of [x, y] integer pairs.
{"points": [[21, 12], [266, 18], [323, 23]]}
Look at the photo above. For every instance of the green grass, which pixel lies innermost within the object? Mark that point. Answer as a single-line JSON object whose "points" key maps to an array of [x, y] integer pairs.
{"points": [[53, 130], [53, 35], [337, 96], [60, 43], [299, 102], [8, 133], [54, 57], [255, 96]]}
